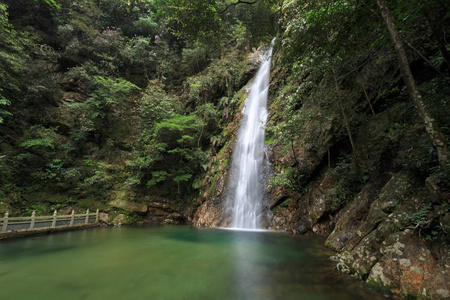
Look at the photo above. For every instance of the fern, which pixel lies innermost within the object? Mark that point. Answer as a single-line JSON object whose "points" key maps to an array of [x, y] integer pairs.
{"points": [[42, 142]]}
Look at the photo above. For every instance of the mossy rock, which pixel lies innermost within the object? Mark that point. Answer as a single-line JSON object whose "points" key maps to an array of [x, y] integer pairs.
{"points": [[123, 200], [378, 287]]}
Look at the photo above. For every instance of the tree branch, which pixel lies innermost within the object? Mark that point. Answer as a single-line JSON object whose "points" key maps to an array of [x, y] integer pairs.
{"points": [[236, 3], [423, 57]]}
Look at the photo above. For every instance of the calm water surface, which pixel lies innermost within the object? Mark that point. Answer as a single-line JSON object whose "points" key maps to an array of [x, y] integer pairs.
{"points": [[171, 263]]}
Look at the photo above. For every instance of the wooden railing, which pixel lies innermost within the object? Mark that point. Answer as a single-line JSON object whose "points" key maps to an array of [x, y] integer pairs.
{"points": [[35, 222]]}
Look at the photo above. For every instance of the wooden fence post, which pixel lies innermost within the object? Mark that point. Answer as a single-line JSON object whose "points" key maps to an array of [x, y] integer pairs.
{"points": [[96, 216], [33, 219], [5, 222], [87, 217], [54, 219], [72, 217]]}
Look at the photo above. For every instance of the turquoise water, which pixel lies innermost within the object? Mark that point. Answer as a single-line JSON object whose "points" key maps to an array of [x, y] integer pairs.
{"points": [[171, 263]]}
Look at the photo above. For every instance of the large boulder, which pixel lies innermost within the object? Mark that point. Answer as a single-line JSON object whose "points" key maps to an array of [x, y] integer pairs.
{"points": [[408, 268]]}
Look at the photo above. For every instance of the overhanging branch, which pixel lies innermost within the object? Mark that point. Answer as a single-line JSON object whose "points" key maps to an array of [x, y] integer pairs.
{"points": [[236, 3]]}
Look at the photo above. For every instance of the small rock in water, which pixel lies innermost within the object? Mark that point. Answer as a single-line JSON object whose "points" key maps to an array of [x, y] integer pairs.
{"points": [[301, 229]]}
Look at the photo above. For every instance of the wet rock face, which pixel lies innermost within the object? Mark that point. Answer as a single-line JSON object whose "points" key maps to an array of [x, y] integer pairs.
{"points": [[126, 207], [254, 59], [160, 212], [209, 214], [318, 196]]}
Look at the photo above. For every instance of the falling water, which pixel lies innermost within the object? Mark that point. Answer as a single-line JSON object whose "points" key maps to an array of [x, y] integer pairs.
{"points": [[247, 181]]}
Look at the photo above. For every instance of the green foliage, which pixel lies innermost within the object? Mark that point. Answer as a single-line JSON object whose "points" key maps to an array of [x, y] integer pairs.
{"points": [[145, 26], [210, 121], [97, 95], [54, 170], [158, 177], [12, 59], [420, 156], [288, 177], [350, 180], [51, 3], [170, 152], [421, 215], [4, 101], [111, 91], [171, 131], [194, 59], [41, 138], [208, 21], [98, 180], [442, 176], [223, 77], [155, 105], [101, 113], [251, 24], [326, 32], [193, 19], [396, 132], [102, 94], [435, 93], [424, 221]]}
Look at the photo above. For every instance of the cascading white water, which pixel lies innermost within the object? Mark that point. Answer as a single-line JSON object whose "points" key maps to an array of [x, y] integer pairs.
{"points": [[247, 173]]}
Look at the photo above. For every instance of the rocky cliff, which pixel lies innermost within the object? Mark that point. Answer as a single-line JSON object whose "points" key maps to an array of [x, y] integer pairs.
{"points": [[370, 191]]}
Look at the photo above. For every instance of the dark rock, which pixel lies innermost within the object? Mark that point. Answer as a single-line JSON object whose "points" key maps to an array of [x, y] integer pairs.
{"points": [[349, 219], [433, 190], [301, 229]]}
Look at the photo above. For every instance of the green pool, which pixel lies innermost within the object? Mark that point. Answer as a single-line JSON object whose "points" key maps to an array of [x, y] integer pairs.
{"points": [[171, 263]]}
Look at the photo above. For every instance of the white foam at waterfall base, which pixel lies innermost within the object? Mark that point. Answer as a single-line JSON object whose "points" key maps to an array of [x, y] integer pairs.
{"points": [[245, 229], [247, 182]]}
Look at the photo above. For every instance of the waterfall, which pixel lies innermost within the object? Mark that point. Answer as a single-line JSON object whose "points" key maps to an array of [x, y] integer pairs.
{"points": [[247, 180]]}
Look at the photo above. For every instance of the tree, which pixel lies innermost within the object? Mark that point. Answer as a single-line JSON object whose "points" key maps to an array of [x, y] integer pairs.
{"points": [[172, 154], [193, 19], [209, 21], [333, 33], [12, 61], [433, 130]]}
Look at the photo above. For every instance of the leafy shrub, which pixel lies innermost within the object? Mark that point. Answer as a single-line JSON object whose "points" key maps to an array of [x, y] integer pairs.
{"points": [[39, 138], [194, 60], [144, 26], [288, 177], [3, 102]]}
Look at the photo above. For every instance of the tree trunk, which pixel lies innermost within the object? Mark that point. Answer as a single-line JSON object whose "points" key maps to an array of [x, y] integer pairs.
{"points": [[434, 132], [347, 125]]}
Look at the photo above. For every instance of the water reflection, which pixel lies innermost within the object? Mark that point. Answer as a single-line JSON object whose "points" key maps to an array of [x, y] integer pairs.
{"points": [[171, 263], [269, 266], [245, 278]]}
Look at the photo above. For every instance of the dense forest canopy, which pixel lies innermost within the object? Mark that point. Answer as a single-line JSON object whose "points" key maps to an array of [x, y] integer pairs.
{"points": [[97, 96]]}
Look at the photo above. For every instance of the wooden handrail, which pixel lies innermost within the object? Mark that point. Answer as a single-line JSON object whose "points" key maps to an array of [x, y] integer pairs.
{"points": [[33, 219]]}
